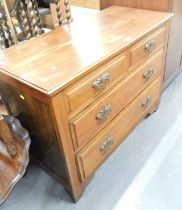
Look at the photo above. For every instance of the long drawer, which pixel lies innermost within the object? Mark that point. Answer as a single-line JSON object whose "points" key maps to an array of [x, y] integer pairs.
{"points": [[96, 83], [90, 121], [93, 154]]}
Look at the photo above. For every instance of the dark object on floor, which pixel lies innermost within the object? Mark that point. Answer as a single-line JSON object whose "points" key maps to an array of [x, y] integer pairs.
{"points": [[14, 154]]}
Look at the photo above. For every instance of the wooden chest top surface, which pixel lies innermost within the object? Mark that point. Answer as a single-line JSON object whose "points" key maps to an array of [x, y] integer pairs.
{"points": [[51, 61]]}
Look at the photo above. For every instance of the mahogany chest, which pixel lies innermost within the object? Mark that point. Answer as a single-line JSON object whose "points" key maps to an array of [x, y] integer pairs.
{"points": [[81, 89]]}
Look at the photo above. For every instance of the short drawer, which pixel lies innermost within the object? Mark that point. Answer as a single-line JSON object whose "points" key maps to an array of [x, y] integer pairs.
{"points": [[85, 125], [147, 46], [92, 155], [96, 83]]}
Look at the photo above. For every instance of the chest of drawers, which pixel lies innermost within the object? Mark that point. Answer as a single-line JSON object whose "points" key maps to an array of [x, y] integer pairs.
{"points": [[82, 89]]}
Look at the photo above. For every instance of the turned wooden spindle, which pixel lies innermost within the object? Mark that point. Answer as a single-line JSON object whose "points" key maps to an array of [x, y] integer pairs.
{"points": [[6, 138], [7, 31], [9, 21], [58, 10], [33, 17], [39, 22], [2, 36], [25, 22], [67, 10]]}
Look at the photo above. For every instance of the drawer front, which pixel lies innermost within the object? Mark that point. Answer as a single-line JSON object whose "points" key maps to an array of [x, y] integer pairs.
{"points": [[92, 155], [147, 46], [91, 120], [95, 84]]}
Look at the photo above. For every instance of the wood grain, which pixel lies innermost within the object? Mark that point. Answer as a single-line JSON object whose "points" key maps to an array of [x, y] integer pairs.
{"points": [[59, 57], [163, 5], [174, 53], [124, 92], [83, 92], [14, 154], [36, 118], [91, 157], [93, 4], [105, 3], [39, 77], [138, 51]]}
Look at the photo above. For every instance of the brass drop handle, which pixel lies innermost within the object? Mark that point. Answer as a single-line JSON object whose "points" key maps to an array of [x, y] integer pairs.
{"points": [[101, 83], [11, 148], [147, 102], [103, 114], [148, 74], [149, 46], [105, 147]]}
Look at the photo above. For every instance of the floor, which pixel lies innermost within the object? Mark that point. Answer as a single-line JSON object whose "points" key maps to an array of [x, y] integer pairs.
{"points": [[144, 173]]}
